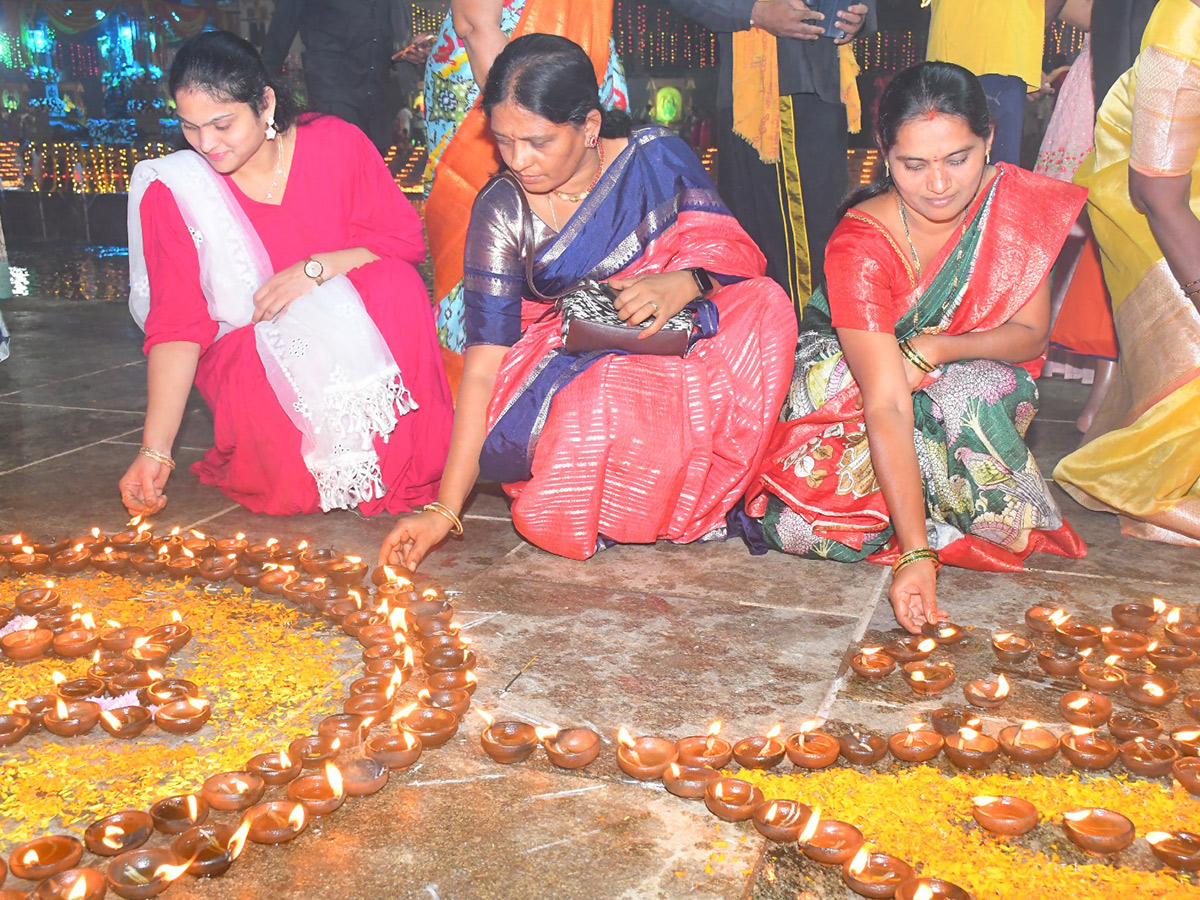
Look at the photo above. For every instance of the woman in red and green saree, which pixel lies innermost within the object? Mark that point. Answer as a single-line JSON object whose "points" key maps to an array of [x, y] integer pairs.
{"points": [[902, 438]]}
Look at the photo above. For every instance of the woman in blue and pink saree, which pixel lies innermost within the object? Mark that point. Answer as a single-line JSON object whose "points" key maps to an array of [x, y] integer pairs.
{"points": [[606, 446]]}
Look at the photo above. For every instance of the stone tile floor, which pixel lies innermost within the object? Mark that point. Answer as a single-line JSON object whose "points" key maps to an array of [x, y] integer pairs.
{"points": [[660, 639]]}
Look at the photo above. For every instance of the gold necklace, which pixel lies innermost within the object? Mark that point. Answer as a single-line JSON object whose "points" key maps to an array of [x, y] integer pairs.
{"points": [[582, 195], [278, 169], [553, 217], [917, 260]]}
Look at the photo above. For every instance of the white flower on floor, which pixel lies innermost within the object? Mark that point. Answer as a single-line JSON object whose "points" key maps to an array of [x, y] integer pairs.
{"points": [[18, 623]]}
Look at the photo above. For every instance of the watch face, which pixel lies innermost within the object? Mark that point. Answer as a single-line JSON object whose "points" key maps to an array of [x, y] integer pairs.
{"points": [[703, 280], [313, 269]]}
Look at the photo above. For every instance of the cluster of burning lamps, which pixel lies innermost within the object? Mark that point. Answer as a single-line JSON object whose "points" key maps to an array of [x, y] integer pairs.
{"points": [[315, 786]]}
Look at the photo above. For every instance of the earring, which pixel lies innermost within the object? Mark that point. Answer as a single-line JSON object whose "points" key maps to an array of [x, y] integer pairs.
{"points": [[887, 169], [593, 141], [271, 132], [987, 157]]}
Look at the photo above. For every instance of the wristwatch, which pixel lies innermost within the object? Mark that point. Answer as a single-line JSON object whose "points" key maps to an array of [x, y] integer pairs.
{"points": [[315, 270], [703, 281]]}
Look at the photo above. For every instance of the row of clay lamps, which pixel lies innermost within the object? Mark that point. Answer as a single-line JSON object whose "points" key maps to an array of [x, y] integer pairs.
{"points": [[305, 775]]}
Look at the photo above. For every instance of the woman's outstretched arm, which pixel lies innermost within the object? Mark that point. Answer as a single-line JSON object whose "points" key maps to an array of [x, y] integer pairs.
{"points": [[477, 22]]}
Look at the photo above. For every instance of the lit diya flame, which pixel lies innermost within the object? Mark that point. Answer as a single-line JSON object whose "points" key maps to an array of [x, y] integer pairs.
{"points": [[27, 550], [78, 548], [923, 892], [1107, 629], [1173, 618], [296, 819], [775, 732], [1152, 646], [859, 864], [164, 553], [470, 677], [199, 704], [429, 594], [1078, 731], [1003, 637], [1077, 815], [239, 536], [303, 545], [113, 722], [1157, 837], [927, 646], [1160, 605], [1059, 617], [772, 810], [142, 527], [912, 732], [87, 621], [199, 535], [175, 531], [285, 761], [408, 662], [711, 736], [549, 733], [95, 532], [625, 738], [1080, 704], [1186, 735], [113, 833], [238, 840], [1002, 687], [31, 858], [810, 827], [1154, 690], [968, 734], [138, 643], [1084, 654], [719, 790], [176, 617], [354, 560], [155, 674], [168, 872], [356, 597], [394, 683], [17, 539], [272, 542], [984, 801], [396, 620], [333, 775], [918, 675], [57, 677], [60, 709], [488, 719], [240, 786], [193, 808], [1112, 660], [335, 745], [96, 658], [400, 714], [79, 891]]}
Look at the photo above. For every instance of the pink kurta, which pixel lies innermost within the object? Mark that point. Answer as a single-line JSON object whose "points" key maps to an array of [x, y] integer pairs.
{"points": [[339, 195]]}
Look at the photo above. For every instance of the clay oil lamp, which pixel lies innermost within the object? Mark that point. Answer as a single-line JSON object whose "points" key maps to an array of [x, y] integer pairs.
{"points": [[448, 659], [1150, 690], [1183, 634], [1005, 816], [275, 578], [234, 546], [172, 815], [832, 842], [147, 562], [262, 552], [73, 884], [917, 744], [710, 750], [363, 776], [315, 561], [13, 727], [458, 702], [359, 619], [134, 538], [1028, 743], [809, 748], [875, 875], [27, 643], [645, 758], [76, 642], [396, 750], [1085, 709], [33, 601], [10, 544], [348, 729], [1078, 635], [86, 688], [1129, 726], [1152, 759], [145, 872], [861, 749], [289, 555], [1170, 657], [217, 569], [1186, 771], [971, 750], [73, 559], [1191, 705], [423, 611], [432, 726], [507, 742], [386, 650], [575, 748], [929, 889], [45, 856], [126, 722], [211, 848], [312, 751], [1059, 662], [6, 615], [27, 562], [348, 571], [987, 694], [1125, 644], [35, 707], [1011, 649], [118, 639], [248, 574], [132, 681], [183, 716], [457, 680], [373, 706], [1138, 616], [1084, 750], [199, 545], [110, 560], [1178, 849], [276, 821], [689, 782], [50, 544], [172, 543], [949, 719], [1106, 678], [945, 633], [231, 791], [71, 718], [146, 654], [304, 591], [320, 792], [168, 690], [273, 768], [785, 821], [1100, 832], [1186, 741], [1044, 620], [392, 667], [732, 799], [926, 678], [872, 664], [119, 832], [760, 752], [910, 648]]}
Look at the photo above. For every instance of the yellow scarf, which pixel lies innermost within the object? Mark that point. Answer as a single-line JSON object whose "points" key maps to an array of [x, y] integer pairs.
{"points": [[756, 92]]}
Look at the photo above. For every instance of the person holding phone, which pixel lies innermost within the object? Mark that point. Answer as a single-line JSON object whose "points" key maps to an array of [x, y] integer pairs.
{"points": [[783, 138]]}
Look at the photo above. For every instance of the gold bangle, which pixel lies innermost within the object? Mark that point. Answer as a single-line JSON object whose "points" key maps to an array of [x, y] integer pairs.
{"points": [[914, 356], [912, 556], [157, 456], [1193, 292], [456, 525], [1191, 284]]}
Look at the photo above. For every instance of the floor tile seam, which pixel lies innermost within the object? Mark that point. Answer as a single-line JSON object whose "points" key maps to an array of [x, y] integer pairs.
{"points": [[67, 452], [1094, 576], [177, 449], [43, 384], [120, 412], [216, 515], [864, 622]]}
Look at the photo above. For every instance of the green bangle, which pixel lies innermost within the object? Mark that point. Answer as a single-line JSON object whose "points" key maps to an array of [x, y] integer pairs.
{"points": [[912, 556], [914, 356]]}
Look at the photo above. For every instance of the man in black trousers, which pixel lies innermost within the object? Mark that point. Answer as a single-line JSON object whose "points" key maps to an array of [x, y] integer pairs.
{"points": [[787, 206], [348, 47]]}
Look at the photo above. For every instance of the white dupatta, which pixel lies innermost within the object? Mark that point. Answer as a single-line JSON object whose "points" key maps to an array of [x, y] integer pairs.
{"points": [[327, 363]]}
